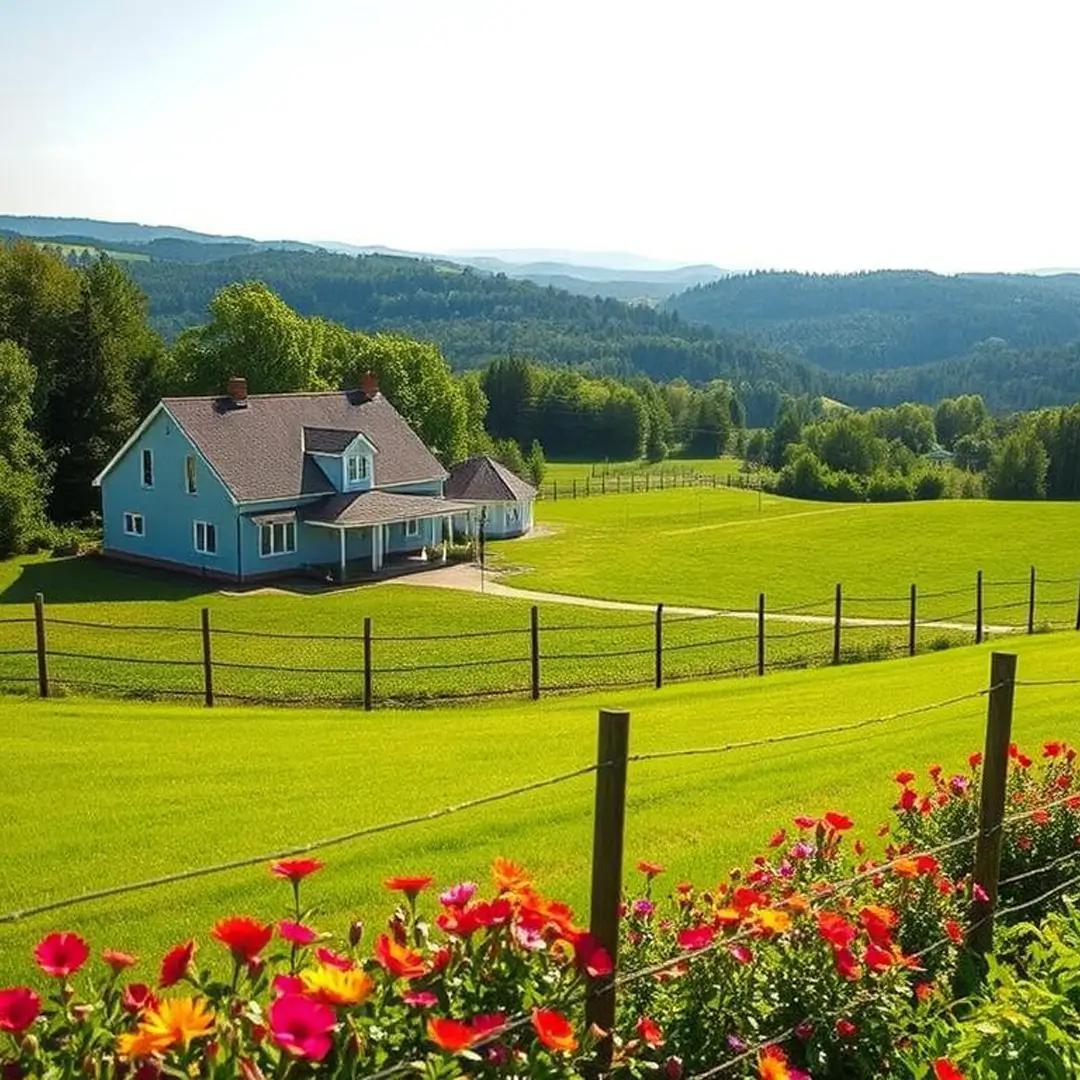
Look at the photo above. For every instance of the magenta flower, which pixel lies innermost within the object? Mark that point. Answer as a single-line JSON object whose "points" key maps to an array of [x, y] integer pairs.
{"points": [[643, 908], [301, 1026], [458, 895], [422, 999]]}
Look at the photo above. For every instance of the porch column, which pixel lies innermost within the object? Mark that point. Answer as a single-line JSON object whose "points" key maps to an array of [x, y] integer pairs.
{"points": [[341, 556], [374, 549]]}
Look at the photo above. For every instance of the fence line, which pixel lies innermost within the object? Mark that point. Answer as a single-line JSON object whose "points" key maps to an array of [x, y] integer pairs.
{"points": [[387, 659]]}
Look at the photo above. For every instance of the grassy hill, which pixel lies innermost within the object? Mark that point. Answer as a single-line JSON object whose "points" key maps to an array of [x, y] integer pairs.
{"points": [[96, 794]]}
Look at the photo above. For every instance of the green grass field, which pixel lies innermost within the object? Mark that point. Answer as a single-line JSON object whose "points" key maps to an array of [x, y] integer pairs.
{"points": [[722, 547], [94, 794]]}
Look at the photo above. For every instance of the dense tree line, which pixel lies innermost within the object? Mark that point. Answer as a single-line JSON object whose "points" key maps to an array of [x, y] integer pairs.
{"points": [[887, 318], [821, 451]]}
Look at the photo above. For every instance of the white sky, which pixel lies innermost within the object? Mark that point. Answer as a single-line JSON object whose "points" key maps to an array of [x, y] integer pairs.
{"points": [[811, 134]]}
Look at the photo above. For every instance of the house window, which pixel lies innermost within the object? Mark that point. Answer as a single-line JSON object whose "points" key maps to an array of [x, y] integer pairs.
{"points": [[513, 515], [148, 468], [355, 469], [190, 481], [133, 524], [205, 538], [412, 527], [277, 539]]}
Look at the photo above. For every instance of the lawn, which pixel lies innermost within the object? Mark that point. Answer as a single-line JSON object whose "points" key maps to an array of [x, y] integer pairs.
{"points": [[95, 794], [722, 547]]}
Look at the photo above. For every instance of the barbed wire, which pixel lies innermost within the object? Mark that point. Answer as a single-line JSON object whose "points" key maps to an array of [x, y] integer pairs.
{"points": [[300, 849], [1047, 682], [123, 659]]}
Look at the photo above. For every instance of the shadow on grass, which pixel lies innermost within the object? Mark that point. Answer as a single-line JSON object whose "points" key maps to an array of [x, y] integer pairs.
{"points": [[88, 579]]}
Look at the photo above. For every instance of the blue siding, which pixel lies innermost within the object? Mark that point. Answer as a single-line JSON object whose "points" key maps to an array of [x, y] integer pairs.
{"points": [[168, 511], [500, 522]]}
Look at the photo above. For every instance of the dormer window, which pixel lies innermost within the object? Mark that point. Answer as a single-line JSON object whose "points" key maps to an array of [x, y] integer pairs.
{"points": [[356, 469]]}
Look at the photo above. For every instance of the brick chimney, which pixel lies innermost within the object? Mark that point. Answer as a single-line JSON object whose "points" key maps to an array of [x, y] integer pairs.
{"points": [[369, 384], [237, 390]]}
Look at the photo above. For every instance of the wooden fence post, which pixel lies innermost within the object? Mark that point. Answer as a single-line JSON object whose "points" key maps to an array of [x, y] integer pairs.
{"points": [[367, 663], [999, 712], [911, 622], [659, 673], [609, 818], [555, 491], [647, 482], [761, 634], [42, 657], [575, 487], [1078, 608], [1031, 602], [534, 639], [603, 483], [978, 608], [207, 662], [588, 490], [838, 603]]}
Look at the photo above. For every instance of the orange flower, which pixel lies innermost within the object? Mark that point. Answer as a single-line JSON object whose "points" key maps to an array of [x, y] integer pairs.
{"points": [[411, 886], [401, 961], [772, 1064], [772, 921], [649, 869], [508, 876], [139, 1044], [332, 986], [450, 1035], [798, 903], [178, 1020], [553, 1030]]}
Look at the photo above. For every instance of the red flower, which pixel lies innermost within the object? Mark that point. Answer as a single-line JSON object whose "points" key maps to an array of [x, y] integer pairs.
{"points": [[401, 961], [450, 1035], [695, 937], [295, 869], [650, 869], [777, 838], [923, 990], [944, 1069], [301, 1026], [838, 822], [175, 963], [835, 929], [1051, 749], [332, 959], [410, 886], [1040, 816], [590, 956], [904, 777], [649, 1032], [975, 759], [876, 958], [61, 953], [846, 964], [741, 953], [907, 799], [954, 930], [117, 960], [137, 997], [243, 937], [296, 933], [19, 1008], [1023, 760], [553, 1030], [845, 1028], [805, 822]]}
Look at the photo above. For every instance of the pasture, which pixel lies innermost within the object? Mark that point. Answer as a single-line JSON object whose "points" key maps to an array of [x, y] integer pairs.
{"points": [[94, 794], [722, 547]]}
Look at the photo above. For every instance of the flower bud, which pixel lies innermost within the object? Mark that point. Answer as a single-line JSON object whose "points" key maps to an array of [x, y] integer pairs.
{"points": [[79, 1013], [29, 1045], [255, 966], [673, 1068], [89, 1066], [356, 932]]}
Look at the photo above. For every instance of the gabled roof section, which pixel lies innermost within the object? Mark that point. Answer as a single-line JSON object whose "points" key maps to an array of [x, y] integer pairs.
{"points": [[483, 479], [258, 450], [378, 508], [320, 440]]}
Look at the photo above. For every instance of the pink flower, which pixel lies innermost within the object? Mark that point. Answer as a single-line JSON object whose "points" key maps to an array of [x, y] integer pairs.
{"points": [[741, 953], [19, 1008], [979, 893], [61, 953], [695, 937], [643, 908], [286, 984], [458, 895], [301, 1026], [296, 933], [332, 959], [421, 999]]}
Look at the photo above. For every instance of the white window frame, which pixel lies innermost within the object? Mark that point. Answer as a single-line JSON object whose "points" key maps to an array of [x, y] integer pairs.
{"points": [[513, 514], [209, 529], [412, 528], [147, 456], [130, 519], [191, 475], [287, 537], [360, 462]]}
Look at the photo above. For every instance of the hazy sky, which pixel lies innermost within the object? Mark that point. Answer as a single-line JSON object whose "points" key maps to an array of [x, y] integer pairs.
{"points": [[812, 134]]}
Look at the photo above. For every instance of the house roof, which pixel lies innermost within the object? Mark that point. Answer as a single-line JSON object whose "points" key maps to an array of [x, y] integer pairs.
{"points": [[483, 479], [322, 440], [378, 508], [257, 449]]}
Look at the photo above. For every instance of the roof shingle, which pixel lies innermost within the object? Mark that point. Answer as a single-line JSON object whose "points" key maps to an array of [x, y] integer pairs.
{"points": [[483, 479], [256, 450]]}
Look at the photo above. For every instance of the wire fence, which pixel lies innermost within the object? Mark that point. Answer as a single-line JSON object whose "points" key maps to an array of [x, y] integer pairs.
{"points": [[610, 770], [213, 657], [629, 482]]}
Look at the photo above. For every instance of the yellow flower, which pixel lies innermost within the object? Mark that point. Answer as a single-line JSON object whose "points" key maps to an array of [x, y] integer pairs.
{"points": [[332, 986], [139, 1044], [771, 921], [177, 1020]]}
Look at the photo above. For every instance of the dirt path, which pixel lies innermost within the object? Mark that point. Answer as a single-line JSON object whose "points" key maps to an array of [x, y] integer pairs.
{"points": [[466, 578]]}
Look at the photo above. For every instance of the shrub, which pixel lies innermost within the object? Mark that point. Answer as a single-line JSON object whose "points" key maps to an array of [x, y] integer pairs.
{"points": [[889, 487], [930, 484]]}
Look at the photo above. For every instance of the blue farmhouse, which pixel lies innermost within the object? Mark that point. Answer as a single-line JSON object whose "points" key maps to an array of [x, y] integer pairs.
{"points": [[240, 487]]}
